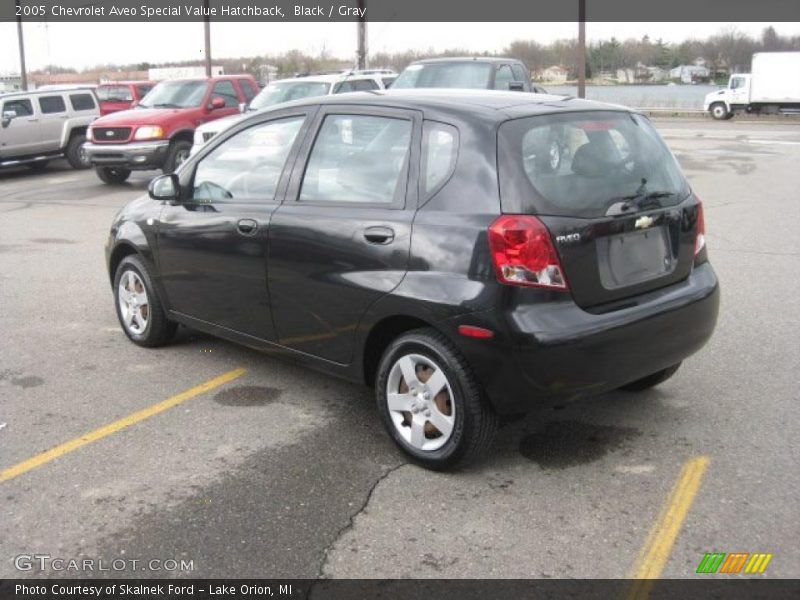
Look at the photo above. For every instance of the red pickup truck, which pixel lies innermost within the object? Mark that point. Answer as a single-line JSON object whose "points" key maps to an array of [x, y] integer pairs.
{"points": [[121, 95], [158, 132]]}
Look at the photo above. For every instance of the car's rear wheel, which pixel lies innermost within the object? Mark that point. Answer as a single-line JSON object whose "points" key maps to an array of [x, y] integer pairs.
{"points": [[113, 175], [76, 155], [179, 151], [645, 383], [430, 402], [139, 308]]}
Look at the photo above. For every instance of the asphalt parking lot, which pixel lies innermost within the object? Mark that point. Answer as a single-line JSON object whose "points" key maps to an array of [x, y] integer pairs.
{"points": [[283, 472]]}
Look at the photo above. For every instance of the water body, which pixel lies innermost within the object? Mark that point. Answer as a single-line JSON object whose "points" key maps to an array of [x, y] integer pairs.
{"points": [[642, 96]]}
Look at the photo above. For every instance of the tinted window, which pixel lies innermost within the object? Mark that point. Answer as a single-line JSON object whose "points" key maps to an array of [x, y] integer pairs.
{"points": [[247, 88], [52, 104], [503, 77], [226, 91], [440, 148], [21, 106], [246, 167], [114, 93], [358, 158], [585, 164], [471, 75], [81, 101]]}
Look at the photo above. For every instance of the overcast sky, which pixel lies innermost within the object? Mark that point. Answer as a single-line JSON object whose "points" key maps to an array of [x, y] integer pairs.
{"points": [[82, 45]]}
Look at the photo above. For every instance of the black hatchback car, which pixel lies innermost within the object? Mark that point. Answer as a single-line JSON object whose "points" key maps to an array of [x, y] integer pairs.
{"points": [[470, 256]]}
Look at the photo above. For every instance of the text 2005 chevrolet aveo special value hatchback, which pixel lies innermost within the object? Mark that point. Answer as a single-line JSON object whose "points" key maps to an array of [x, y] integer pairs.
{"points": [[470, 255]]}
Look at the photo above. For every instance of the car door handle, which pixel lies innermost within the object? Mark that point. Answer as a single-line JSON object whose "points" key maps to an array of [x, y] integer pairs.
{"points": [[247, 227], [379, 235]]}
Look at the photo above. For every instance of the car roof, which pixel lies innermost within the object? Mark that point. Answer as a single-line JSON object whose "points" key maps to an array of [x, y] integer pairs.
{"points": [[84, 89], [488, 104], [333, 77], [131, 82], [452, 59]]}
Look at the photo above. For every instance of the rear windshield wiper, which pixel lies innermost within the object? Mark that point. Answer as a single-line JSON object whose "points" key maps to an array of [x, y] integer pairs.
{"points": [[638, 201]]}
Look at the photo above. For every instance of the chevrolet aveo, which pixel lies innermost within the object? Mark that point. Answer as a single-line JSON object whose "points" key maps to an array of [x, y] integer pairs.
{"points": [[470, 255]]}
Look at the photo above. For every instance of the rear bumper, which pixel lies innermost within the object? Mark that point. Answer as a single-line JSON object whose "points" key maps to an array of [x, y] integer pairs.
{"points": [[137, 155], [553, 353]]}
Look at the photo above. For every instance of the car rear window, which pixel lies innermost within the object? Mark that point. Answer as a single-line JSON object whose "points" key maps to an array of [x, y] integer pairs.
{"points": [[586, 164], [114, 93], [470, 75]]}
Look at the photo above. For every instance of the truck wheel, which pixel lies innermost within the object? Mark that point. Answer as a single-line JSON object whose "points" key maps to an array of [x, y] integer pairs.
{"points": [[645, 383], [719, 111], [179, 151], [113, 175], [139, 308], [430, 402], [76, 156]]}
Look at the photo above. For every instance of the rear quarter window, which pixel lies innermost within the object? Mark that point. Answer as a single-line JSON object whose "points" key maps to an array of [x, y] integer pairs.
{"points": [[585, 164], [81, 102], [439, 154]]}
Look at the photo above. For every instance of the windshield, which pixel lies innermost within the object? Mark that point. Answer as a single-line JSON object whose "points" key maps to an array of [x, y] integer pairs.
{"points": [[175, 94], [469, 75], [284, 91], [586, 164]]}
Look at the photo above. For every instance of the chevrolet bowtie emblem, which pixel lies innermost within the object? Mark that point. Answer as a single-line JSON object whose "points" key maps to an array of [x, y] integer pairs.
{"points": [[643, 222]]}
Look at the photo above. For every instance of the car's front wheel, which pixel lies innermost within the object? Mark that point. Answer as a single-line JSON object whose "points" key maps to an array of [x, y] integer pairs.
{"points": [[179, 151], [719, 111], [139, 309], [430, 402], [113, 175], [645, 383]]}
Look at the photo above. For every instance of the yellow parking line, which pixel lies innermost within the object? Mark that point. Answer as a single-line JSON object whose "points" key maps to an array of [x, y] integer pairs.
{"points": [[132, 419], [655, 553]]}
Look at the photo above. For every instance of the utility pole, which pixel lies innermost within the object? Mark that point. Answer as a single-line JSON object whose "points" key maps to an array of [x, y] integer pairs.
{"points": [[207, 27], [362, 36], [22, 71], [581, 48]]}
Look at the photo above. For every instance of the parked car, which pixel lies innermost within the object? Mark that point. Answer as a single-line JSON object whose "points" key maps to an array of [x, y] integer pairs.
{"points": [[296, 88], [470, 256], [121, 95], [39, 126], [487, 73], [158, 133]]}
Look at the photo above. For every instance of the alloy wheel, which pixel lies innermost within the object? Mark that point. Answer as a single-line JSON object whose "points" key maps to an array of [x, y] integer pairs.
{"points": [[134, 306]]}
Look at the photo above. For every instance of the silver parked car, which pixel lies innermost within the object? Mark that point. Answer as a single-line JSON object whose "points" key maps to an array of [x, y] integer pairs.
{"points": [[42, 125]]}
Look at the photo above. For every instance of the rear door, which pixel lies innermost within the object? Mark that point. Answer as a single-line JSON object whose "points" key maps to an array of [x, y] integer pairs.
{"points": [[341, 239], [611, 194], [53, 114]]}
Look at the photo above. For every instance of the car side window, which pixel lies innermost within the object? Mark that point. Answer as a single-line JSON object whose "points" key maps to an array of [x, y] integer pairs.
{"points": [[81, 102], [503, 77], [248, 166], [247, 88], [226, 91], [21, 106], [52, 104], [519, 73], [358, 159], [439, 153]]}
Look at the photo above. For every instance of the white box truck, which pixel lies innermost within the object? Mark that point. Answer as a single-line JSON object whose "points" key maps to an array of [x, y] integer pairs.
{"points": [[773, 86]]}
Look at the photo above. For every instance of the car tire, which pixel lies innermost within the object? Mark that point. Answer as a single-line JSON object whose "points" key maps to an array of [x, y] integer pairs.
{"points": [[139, 308], [76, 157], [113, 175], [179, 151], [458, 404], [645, 383], [719, 111]]}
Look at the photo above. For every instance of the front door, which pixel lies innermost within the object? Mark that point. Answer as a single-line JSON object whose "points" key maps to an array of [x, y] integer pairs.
{"points": [[212, 246], [22, 135], [341, 239]]}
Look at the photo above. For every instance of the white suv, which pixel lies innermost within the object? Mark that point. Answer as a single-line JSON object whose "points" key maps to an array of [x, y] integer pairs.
{"points": [[296, 88]]}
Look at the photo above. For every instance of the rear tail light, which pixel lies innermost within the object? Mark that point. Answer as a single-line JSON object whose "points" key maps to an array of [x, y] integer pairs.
{"points": [[700, 238], [523, 253]]}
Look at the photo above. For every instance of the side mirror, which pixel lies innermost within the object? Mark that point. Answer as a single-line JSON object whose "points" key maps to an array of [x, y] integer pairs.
{"points": [[165, 187], [217, 103], [516, 86], [243, 107], [8, 115]]}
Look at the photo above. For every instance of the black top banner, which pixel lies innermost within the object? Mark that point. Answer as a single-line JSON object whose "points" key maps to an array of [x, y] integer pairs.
{"points": [[399, 10]]}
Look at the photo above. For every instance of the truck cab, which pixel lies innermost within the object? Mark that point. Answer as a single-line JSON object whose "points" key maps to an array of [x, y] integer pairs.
{"points": [[723, 103]]}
